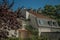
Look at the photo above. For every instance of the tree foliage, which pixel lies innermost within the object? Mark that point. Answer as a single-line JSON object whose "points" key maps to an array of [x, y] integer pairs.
{"points": [[52, 11], [8, 20], [33, 30]]}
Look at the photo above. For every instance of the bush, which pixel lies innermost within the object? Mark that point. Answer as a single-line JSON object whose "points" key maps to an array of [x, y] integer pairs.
{"points": [[13, 38]]}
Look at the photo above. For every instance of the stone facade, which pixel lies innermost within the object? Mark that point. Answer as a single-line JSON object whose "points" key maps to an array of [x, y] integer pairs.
{"points": [[42, 22]]}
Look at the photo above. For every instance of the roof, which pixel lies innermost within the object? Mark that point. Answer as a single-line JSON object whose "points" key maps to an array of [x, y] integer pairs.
{"points": [[39, 15]]}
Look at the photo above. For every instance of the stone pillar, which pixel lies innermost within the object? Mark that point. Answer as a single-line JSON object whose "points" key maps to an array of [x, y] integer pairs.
{"points": [[39, 30], [23, 34]]}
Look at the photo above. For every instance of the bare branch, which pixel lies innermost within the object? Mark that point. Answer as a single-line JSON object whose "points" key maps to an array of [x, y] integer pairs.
{"points": [[11, 4]]}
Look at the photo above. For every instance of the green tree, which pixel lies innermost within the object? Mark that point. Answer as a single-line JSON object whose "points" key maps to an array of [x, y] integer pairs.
{"points": [[52, 11], [49, 9], [33, 30]]}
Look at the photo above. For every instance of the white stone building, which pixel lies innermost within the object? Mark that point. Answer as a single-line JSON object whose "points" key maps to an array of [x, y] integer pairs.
{"points": [[40, 21]]}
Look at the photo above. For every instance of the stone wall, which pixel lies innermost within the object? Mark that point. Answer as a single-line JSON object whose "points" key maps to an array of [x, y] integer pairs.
{"points": [[51, 35]]}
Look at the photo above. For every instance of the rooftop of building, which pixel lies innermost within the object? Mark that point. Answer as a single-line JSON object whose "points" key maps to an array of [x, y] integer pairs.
{"points": [[41, 15]]}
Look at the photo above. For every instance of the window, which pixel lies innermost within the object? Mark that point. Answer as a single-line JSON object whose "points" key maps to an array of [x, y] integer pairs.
{"points": [[50, 23], [41, 22], [54, 23]]}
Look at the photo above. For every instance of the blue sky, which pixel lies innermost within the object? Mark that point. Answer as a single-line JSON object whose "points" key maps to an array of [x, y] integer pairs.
{"points": [[34, 3]]}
